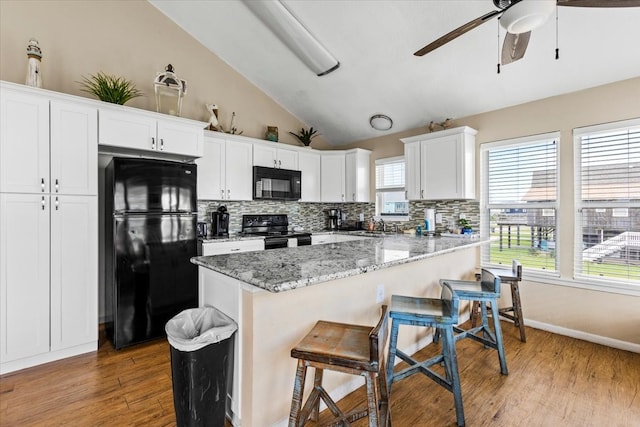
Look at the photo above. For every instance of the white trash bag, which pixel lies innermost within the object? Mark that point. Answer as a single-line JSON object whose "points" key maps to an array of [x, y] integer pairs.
{"points": [[195, 328]]}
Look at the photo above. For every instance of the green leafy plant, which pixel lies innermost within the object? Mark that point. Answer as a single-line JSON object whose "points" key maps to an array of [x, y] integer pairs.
{"points": [[305, 136], [107, 88], [464, 224]]}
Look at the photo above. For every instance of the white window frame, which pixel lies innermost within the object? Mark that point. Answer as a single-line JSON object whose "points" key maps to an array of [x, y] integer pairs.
{"points": [[578, 133], [395, 218], [485, 231]]}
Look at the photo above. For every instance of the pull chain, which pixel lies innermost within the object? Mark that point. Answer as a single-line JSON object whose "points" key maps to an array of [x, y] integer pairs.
{"points": [[557, 48], [498, 20]]}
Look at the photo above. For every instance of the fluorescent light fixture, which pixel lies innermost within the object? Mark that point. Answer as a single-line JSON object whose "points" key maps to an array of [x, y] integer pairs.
{"points": [[291, 32], [381, 122]]}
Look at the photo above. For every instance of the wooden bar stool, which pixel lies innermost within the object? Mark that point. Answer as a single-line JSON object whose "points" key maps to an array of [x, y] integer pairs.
{"points": [[351, 349], [486, 291], [441, 314], [513, 277]]}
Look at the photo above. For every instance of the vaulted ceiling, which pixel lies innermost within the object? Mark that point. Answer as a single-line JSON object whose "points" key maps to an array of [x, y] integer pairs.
{"points": [[375, 41]]}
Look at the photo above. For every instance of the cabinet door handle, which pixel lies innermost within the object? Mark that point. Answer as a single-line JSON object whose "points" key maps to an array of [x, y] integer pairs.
{"points": [[43, 203], [153, 143], [161, 144], [57, 203], [42, 184], [57, 185], [353, 196], [343, 197], [228, 194], [234, 250], [406, 194], [422, 194], [275, 163], [222, 193], [279, 163]]}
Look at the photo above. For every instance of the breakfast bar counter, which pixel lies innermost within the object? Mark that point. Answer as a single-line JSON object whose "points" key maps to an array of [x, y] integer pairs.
{"points": [[277, 295]]}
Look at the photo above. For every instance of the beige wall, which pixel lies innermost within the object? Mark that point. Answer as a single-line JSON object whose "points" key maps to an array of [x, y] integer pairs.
{"points": [[134, 40]]}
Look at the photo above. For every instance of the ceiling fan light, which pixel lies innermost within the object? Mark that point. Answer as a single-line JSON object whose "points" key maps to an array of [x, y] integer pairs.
{"points": [[381, 122], [527, 15]]}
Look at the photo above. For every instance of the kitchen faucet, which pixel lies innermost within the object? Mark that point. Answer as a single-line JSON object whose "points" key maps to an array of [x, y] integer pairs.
{"points": [[382, 223]]}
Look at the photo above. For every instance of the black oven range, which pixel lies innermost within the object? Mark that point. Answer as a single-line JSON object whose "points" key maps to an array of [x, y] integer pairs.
{"points": [[275, 229]]}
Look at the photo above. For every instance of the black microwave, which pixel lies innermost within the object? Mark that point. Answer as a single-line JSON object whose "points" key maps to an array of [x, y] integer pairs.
{"points": [[276, 184]]}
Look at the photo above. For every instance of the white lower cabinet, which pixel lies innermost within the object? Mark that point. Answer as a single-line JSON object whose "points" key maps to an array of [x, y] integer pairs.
{"points": [[231, 247], [48, 278]]}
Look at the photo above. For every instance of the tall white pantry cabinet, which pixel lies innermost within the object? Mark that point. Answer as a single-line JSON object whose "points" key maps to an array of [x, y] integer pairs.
{"points": [[48, 227]]}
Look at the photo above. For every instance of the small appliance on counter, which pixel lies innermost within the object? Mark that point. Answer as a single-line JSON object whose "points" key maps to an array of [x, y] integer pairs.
{"points": [[203, 230], [334, 219], [220, 223]]}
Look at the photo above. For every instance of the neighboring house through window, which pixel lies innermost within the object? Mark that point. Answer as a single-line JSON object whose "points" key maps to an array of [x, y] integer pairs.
{"points": [[391, 201], [519, 201], [607, 201]]}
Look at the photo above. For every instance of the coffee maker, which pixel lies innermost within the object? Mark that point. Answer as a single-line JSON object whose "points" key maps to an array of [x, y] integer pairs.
{"points": [[334, 219], [220, 223]]}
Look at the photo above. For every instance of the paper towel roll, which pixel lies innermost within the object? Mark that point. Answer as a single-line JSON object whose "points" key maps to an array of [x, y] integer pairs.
{"points": [[430, 219]]}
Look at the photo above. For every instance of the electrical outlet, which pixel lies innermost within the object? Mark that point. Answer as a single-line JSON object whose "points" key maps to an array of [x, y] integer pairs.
{"points": [[463, 216], [380, 294], [438, 218]]}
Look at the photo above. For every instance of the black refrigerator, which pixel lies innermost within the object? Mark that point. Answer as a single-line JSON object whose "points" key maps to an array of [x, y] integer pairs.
{"points": [[150, 235]]}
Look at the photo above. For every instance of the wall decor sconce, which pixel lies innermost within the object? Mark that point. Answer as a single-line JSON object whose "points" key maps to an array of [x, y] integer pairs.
{"points": [[170, 90]]}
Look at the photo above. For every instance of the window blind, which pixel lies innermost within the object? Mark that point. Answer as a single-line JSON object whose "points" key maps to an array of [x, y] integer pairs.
{"points": [[390, 174], [519, 184], [607, 199]]}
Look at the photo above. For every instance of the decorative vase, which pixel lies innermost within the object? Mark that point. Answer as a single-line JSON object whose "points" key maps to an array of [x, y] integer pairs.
{"points": [[272, 133]]}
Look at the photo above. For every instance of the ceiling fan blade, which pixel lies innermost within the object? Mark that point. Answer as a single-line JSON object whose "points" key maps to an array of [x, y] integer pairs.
{"points": [[457, 32], [599, 3], [514, 47]]}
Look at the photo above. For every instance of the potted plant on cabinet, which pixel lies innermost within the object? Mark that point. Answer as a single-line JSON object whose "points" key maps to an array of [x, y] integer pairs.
{"points": [[305, 136], [107, 88]]}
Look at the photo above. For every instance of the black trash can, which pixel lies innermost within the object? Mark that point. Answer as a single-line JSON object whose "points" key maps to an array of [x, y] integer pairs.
{"points": [[201, 352]]}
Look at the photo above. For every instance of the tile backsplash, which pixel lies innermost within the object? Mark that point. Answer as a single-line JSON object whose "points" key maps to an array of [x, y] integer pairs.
{"points": [[311, 216]]}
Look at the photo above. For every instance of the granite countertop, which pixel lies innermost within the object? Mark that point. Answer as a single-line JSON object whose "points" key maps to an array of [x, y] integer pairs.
{"points": [[278, 270]]}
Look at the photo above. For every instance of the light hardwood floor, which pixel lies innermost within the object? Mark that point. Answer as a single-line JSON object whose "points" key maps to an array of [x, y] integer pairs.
{"points": [[553, 381]]}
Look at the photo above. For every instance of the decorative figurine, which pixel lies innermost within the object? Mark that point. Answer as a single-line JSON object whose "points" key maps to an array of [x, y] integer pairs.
{"points": [[214, 124], [34, 55], [444, 125], [272, 133]]}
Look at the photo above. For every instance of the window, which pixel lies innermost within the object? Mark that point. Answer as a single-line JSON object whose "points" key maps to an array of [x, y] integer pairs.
{"points": [[391, 202], [519, 202], [607, 201]]}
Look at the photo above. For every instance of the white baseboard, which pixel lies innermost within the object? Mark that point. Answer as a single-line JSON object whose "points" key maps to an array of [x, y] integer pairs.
{"points": [[585, 336]]}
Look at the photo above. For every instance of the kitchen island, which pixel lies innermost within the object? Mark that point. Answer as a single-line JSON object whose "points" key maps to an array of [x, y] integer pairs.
{"points": [[276, 296]]}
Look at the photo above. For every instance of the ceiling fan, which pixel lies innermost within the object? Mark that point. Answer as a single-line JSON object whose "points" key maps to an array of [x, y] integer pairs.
{"points": [[519, 18]]}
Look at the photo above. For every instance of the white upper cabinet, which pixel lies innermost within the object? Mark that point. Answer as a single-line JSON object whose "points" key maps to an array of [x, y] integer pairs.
{"points": [[74, 149], [265, 154], [309, 162], [225, 171], [24, 142], [47, 145], [141, 130], [332, 174], [357, 180], [441, 165]]}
